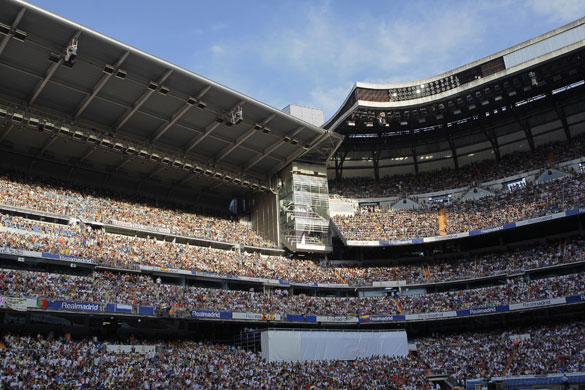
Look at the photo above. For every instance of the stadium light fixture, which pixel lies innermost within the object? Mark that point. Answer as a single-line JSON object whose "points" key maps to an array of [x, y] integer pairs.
{"points": [[108, 69], [4, 29], [71, 53], [19, 35]]}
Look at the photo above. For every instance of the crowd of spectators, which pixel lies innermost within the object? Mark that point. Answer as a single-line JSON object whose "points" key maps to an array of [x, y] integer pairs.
{"points": [[516, 260], [530, 351], [130, 252], [439, 180], [63, 363], [57, 198], [371, 223], [36, 363], [131, 289]]}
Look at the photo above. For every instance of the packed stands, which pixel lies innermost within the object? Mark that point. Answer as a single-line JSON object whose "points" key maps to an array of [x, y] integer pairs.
{"points": [[100, 287], [374, 224], [39, 362], [536, 350], [88, 364], [92, 205], [440, 180], [130, 252]]}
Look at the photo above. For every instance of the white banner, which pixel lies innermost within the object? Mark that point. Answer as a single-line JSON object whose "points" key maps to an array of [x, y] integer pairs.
{"points": [[256, 316], [18, 304], [143, 349], [287, 345], [345, 319]]}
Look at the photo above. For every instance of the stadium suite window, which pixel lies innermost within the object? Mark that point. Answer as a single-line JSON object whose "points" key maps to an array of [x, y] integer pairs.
{"points": [[516, 184]]}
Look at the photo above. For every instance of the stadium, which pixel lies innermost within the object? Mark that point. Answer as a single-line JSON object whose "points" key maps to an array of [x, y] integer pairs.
{"points": [[159, 230]]}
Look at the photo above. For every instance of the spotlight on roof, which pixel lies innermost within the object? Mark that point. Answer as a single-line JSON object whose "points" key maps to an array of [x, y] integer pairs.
{"points": [[236, 115], [382, 118], [533, 79], [70, 53]]}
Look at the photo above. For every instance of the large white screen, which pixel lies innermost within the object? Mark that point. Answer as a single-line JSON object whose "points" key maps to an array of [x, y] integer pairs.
{"points": [[288, 345]]}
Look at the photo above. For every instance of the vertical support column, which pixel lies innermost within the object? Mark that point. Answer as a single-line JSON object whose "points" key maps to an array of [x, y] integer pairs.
{"points": [[415, 160], [339, 160], [561, 114], [453, 151], [376, 161], [525, 126], [490, 134]]}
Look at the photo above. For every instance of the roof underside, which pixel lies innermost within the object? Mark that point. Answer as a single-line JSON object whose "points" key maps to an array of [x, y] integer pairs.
{"points": [[127, 96]]}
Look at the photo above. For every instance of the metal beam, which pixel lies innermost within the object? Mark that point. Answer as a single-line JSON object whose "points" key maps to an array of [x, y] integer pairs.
{"points": [[563, 118], [11, 33], [415, 160], [7, 129], [523, 123], [150, 175], [47, 144], [177, 115], [141, 100], [200, 137], [271, 149], [453, 151], [43, 83], [88, 153], [123, 162], [98, 87], [493, 138], [302, 151]]}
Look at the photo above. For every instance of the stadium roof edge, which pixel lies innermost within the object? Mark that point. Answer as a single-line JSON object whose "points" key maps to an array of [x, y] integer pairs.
{"points": [[501, 53], [165, 63]]}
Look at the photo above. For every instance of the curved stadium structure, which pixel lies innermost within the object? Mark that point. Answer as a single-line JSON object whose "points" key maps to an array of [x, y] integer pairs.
{"points": [[159, 230]]}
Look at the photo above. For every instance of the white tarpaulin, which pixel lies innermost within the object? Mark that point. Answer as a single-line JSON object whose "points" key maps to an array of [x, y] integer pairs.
{"points": [[289, 345]]}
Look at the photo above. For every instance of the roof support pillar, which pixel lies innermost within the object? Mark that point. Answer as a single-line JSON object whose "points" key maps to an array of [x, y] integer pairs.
{"points": [[453, 151], [339, 160], [561, 114], [415, 159], [376, 160], [490, 134]]}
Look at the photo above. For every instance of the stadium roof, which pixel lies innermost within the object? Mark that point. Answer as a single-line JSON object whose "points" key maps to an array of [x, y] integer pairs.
{"points": [[103, 105], [408, 96], [514, 100]]}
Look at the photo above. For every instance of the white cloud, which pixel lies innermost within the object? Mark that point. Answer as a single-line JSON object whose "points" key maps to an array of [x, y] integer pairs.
{"points": [[559, 11], [327, 51], [217, 49]]}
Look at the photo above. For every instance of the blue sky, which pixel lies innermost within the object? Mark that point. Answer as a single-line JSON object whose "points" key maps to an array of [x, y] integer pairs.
{"points": [[312, 52]]}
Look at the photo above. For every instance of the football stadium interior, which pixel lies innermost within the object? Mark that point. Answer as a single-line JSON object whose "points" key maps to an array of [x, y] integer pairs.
{"points": [[160, 230]]}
